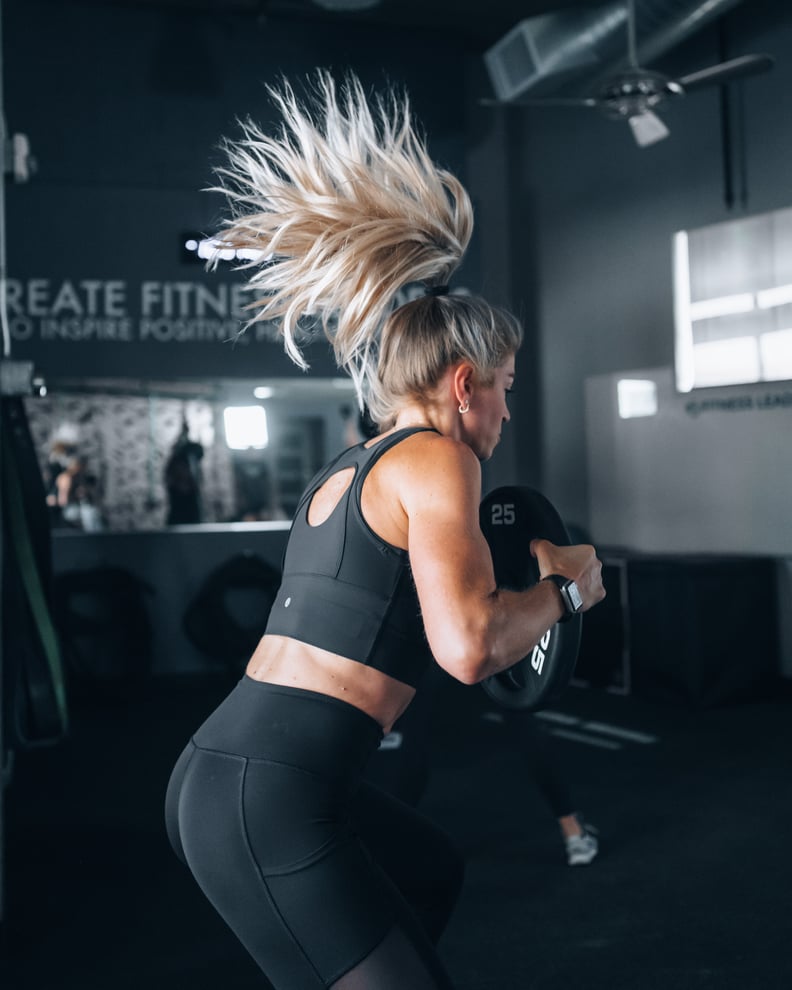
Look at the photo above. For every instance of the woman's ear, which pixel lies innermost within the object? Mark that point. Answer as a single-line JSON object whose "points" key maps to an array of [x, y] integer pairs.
{"points": [[464, 381]]}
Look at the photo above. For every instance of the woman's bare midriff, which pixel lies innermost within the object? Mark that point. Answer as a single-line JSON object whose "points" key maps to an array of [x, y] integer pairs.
{"points": [[281, 660]]}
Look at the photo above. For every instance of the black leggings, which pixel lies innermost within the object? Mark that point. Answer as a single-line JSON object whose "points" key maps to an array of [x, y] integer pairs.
{"points": [[327, 881], [532, 741]]}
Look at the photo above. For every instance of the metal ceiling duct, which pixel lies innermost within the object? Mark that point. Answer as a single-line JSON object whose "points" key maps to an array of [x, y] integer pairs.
{"points": [[342, 6], [541, 54]]}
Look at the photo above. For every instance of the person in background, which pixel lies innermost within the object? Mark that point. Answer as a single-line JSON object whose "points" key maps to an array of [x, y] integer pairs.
{"points": [[531, 741], [327, 881], [182, 477], [403, 763], [60, 453], [77, 496]]}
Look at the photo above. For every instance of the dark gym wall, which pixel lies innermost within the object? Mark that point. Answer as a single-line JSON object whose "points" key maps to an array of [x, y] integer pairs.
{"points": [[125, 107], [598, 215]]}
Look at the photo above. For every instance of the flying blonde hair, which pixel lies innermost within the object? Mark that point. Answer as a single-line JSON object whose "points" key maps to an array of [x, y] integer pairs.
{"points": [[345, 207]]}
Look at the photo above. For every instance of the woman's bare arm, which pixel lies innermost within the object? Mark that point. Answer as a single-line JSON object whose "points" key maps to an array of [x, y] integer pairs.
{"points": [[474, 629]]}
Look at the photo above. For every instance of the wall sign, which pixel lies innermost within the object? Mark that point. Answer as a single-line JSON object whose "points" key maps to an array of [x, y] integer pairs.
{"points": [[149, 328], [739, 403], [119, 311]]}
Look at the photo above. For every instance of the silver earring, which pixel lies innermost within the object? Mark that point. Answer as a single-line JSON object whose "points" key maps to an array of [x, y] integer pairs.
{"points": [[464, 407]]}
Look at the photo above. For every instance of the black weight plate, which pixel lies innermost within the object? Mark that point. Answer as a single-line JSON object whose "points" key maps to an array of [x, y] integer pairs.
{"points": [[510, 518]]}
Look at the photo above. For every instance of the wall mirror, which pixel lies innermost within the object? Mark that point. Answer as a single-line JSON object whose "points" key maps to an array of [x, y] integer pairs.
{"points": [[123, 455]]}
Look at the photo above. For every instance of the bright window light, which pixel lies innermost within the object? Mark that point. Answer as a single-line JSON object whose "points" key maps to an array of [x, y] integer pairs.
{"points": [[637, 397], [263, 392], [732, 294], [245, 427], [727, 362], [779, 296], [776, 352], [683, 325], [708, 309]]}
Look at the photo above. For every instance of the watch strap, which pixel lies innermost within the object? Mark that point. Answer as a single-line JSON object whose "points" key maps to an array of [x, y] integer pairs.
{"points": [[563, 585]]}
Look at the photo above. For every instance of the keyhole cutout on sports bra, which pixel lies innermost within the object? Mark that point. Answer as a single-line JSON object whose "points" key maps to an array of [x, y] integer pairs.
{"points": [[326, 498]]}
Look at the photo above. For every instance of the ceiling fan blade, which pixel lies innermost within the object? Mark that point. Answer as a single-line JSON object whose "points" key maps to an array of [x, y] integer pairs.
{"points": [[647, 128], [723, 72], [549, 101]]}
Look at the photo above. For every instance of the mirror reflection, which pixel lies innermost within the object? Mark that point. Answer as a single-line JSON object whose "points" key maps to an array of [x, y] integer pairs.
{"points": [[124, 455]]}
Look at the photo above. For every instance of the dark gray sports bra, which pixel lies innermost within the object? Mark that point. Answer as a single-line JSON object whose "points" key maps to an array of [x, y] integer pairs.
{"points": [[346, 590]]}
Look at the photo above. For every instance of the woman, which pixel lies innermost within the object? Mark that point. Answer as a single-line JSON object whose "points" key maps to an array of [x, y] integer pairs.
{"points": [[327, 882]]}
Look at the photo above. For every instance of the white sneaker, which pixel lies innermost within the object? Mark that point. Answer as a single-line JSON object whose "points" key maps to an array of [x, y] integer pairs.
{"points": [[581, 849]]}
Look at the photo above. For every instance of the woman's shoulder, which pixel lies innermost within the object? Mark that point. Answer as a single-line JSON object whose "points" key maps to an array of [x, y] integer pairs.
{"points": [[429, 458], [445, 445]]}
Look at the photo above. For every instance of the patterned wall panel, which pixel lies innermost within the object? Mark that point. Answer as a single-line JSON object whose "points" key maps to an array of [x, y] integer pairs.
{"points": [[125, 441]]}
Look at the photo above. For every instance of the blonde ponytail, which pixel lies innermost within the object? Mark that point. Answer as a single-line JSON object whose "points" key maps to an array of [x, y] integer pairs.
{"points": [[345, 207]]}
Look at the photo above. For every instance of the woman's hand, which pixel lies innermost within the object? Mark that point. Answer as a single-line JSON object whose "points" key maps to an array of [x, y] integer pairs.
{"points": [[579, 563]]}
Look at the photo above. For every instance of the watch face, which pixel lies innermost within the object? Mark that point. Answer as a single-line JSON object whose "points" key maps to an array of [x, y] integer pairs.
{"points": [[575, 598]]}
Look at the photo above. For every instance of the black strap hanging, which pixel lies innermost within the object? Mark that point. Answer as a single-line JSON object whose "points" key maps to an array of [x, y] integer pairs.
{"points": [[41, 667]]}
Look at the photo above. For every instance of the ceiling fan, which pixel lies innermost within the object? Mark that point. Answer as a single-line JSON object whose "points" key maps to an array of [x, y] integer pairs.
{"points": [[633, 93]]}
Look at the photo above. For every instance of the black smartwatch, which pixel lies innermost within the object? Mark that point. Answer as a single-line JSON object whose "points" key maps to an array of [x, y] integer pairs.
{"points": [[570, 595]]}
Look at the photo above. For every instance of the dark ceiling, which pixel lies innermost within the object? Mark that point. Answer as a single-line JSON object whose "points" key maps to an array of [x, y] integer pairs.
{"points": [[479, 22]]}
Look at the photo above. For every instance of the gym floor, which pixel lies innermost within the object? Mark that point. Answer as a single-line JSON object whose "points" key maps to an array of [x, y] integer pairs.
{"points": [[690, 890]]}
